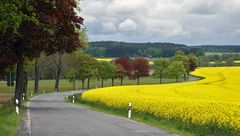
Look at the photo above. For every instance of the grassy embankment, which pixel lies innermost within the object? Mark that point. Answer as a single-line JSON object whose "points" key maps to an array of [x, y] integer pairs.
{"points": [[9, 120]]}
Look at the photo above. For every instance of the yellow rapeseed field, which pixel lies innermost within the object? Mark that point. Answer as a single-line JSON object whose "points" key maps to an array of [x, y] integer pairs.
{"points": [[111, 59], [236, 62], [104, 59], [213, 101]]}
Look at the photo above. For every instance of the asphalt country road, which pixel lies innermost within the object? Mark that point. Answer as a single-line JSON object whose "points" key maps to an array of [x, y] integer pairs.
{"points": [[50, 115]]}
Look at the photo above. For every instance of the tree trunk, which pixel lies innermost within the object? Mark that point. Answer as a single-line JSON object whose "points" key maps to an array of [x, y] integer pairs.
{"points": [[160, 79], [83, 80], [19, 80], [121, 80], [88, 83], [102, 82], [74, 83], [37, 77], [112, 81], [58, 73], [25, 85], [137, 80], [57, 83], [185, 77], [176, 79], [57, 80]]}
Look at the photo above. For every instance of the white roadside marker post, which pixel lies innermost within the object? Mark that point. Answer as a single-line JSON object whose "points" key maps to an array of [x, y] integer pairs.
{"points": [[17, 109], [129, 110], [73, 99], [23, 96]]}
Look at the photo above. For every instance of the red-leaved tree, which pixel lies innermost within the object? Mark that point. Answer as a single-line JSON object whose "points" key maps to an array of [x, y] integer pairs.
{"points": [[120, 72], [126, 65], [54, 31], [140, 68], [192, 64]]}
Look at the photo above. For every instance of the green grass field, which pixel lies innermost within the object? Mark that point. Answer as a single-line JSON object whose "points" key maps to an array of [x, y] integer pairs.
{"points": [[9, 120], [64, 85], [220, 53]]}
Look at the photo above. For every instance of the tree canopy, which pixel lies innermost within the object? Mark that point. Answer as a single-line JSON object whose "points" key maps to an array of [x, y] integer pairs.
{"points": [[140, 68], [151, 50], [160, 68], [106, 70], [55, 31], [176, 69]]}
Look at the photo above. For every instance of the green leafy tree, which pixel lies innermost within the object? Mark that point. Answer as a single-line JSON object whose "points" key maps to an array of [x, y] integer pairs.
{"points": [[12, 15], [160, 68], [106, 70], [80, 66], [229, 61], [96, 51], [176, 69], [55, 64], [28, 65], [85, 68], [84, 37], [37, 66], [92, 70], [180, 56], [71, 69]]}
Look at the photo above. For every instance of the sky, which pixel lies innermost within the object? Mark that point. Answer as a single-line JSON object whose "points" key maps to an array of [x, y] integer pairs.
{"points": [[192, 22]]}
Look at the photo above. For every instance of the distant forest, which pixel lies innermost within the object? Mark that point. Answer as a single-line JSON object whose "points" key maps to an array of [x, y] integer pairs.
{"points": [[151, 50], [220, 48]]}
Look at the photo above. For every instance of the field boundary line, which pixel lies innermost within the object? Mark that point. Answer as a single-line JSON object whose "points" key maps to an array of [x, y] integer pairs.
{"points": [[28, 121]]}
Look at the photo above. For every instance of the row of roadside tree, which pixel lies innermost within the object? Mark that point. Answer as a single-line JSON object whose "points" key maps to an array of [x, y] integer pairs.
{"points": [[84, 67]]}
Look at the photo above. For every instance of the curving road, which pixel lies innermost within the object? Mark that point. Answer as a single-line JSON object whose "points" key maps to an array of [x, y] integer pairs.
{"points": [[49, 115]]}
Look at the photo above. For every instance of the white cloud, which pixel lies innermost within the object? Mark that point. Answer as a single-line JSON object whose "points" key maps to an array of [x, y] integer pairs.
{"points": [[164, 28], [237, 32], [127, 25], [126, 6], [109, 27], [191, 21]]}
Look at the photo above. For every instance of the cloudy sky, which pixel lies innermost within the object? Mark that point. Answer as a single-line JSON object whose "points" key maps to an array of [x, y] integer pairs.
{"points": [[191, 22]]}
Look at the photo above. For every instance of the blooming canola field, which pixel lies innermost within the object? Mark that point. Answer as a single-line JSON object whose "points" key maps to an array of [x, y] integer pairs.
{"points": [[212, 101]]}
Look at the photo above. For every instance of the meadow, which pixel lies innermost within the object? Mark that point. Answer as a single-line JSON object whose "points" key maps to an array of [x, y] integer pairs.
{"points": [[65, 85], [210, 106], [219, 53]]}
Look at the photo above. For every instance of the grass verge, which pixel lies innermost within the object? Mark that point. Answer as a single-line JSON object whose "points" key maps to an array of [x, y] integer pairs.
{"points": [[9, 120]]}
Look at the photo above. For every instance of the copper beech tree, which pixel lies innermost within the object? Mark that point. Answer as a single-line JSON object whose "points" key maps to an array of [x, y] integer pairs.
{"points": [[140, 68], [54, 31], [126, 67]]}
